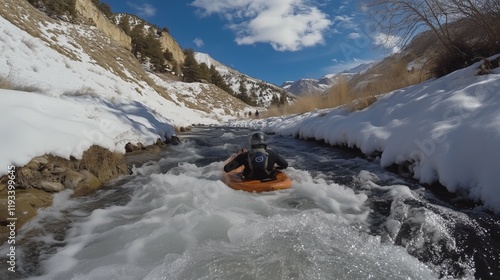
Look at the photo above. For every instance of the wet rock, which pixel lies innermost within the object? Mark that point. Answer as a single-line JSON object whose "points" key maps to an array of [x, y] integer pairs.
{"points": [[37, 163], [28, 178], [42, 176], [72, 179], [27, 202], [88, 184], [159, 143], [58, 170], [129, 147], [174, 140], [51, 186]]}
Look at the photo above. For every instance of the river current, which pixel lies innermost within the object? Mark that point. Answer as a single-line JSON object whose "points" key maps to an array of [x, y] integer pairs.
{"points": [[344, 217]]}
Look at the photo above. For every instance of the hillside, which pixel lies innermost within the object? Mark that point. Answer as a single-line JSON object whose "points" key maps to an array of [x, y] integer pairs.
{"points": [[262, 92], [167, 42], [78, 64]]}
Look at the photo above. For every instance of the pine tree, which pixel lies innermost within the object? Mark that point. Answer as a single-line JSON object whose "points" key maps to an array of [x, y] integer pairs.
{"points": [[243, 88], [104, 8], [217, 80], [58, 7], [191, 69], [124, 24], [282, 99], [253, 98], [169, 56], [243, 95], [138, 41], [205, 72], [152, 50]]}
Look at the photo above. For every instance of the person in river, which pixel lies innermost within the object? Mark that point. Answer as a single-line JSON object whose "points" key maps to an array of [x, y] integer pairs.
{"points": [[259, 162]]}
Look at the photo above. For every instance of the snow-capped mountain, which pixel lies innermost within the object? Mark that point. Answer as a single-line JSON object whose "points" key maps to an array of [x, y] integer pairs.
{"points": [[307, 86], [319, 86], [262, 92]]}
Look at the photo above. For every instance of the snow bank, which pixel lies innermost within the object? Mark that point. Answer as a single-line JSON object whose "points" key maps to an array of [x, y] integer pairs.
{"points": [[77, 103], [449, 128], [35, 124]]}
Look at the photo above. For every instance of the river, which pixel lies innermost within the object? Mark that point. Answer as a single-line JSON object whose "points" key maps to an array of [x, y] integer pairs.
{"points": [[344, 217]]}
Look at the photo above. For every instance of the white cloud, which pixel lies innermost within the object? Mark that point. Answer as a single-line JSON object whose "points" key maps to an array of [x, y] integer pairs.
{"points": [[345, 22], [288, 25], [354, 36], [198, 42], [143, 10], [387, 41], [340, 66]]}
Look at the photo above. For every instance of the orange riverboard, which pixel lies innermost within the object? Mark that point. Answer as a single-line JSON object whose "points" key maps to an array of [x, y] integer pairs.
{"points": [[235, 181]]}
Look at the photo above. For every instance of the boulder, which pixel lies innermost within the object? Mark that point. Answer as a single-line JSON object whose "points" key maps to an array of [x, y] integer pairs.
{"points": [[89, 184], [27, 203], [37, 163], [50, 186], [72, 179]]}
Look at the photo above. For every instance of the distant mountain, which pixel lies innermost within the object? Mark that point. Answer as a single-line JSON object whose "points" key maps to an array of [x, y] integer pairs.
{"points": [[263, 93], [319, 86]]}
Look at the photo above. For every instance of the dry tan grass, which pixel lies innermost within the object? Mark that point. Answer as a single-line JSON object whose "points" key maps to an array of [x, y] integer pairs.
{"points": [[10, 83], [338, 95], [22, 14], [395, 76], [101, 49], [361, 91], [4, 83]]}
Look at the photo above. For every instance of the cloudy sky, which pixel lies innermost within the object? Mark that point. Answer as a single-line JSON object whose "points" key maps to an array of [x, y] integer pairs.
{"points": [[273, 40]]}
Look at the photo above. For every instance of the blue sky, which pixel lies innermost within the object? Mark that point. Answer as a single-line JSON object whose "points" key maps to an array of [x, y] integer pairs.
{"points": [[272, 40]]}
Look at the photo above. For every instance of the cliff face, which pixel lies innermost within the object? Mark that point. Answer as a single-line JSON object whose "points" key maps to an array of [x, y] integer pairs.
{"points": [[168, 43], [91, 15]]}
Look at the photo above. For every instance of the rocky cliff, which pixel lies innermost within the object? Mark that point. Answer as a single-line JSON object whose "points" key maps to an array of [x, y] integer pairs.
{"points": [[91, 15], [169, 43]]}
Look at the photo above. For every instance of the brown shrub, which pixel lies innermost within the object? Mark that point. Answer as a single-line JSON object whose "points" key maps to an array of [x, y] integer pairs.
{"points": [[104, 164]]}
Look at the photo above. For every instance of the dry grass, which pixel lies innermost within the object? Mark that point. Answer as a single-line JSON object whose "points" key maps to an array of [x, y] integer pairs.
{"points": [[4, 83], [395, 76], [338, 95], [361, 91], [83, 91], [22, 14], [10, 83]]}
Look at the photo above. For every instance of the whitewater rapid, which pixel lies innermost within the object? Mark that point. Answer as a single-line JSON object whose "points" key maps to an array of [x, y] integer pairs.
{"points": [[344, 217], [187, 224]]}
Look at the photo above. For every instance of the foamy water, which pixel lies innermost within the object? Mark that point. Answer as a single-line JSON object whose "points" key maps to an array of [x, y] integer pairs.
{"points": [[175, 219], [187, 224]]}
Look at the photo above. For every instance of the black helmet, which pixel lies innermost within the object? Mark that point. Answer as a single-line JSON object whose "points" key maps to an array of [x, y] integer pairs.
{"points": [[258, 140]]}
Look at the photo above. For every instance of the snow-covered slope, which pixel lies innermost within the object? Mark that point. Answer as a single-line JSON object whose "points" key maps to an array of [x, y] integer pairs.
{"points": [[60, 100], [262, 91]]}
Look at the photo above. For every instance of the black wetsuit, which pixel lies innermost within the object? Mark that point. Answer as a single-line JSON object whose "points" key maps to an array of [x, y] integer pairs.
{"points": [[253, 159]]}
